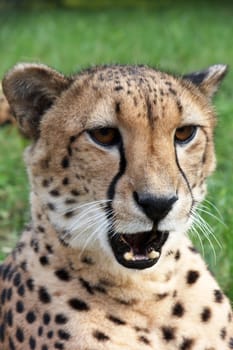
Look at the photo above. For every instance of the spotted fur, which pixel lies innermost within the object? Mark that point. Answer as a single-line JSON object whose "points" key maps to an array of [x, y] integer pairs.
{"points": [[63, 287]]}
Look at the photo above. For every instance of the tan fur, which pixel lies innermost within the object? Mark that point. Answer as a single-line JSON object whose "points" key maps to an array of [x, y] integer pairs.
{"points": [[68, 290], [5, 114]]}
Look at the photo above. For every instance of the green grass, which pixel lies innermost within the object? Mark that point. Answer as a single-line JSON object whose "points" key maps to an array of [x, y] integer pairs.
{"points": [[178, 38]]}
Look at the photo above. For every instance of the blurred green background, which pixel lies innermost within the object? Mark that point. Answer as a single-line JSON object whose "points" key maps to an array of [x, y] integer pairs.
{"points": [[70, 35]]}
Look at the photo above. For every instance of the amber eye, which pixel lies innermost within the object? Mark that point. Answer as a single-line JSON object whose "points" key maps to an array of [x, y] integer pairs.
{"points": [[105, 136], [185, 133]]}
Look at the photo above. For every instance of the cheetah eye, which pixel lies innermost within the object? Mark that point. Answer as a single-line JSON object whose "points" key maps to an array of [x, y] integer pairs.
{"points": [[185, 134], [105, 136]]}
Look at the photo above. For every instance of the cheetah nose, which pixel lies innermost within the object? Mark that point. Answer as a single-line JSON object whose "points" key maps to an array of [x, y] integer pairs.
{"points": [[156, 208]]}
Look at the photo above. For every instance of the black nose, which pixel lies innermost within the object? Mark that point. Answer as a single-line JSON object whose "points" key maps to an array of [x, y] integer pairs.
{"points": [[156, 208]]}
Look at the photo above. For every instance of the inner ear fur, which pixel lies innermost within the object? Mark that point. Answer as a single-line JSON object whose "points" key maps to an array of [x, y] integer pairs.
{"points": [[208, 80], [31, 89]]}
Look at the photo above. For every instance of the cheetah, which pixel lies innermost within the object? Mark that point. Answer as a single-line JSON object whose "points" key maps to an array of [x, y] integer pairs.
{"points": [[117, 167]]}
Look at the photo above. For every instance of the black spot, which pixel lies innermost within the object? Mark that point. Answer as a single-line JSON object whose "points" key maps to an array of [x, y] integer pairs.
{"points": [[30, 284], [65, 162], [86, 285], [19, 335], [11, 344], [144, 340], [45, 183], [168, 333], [61, 319], [46, 318], [35, 245], [218, 296], [100, 336], [44, 347], [32, 343], [63, 335], [186, 344], [50, 334], [65, 181], [23, 265], [41, 229], [21, 290], [229, 317], [178, 310], [172, 91], [44, 295], [2, 332], [75, 192], [177, 255], [40, 331], [87, 260], [4, 271], [44, 260], [3, 296], [19, 306], [70, 201], [72, 138], [63, 275], [100, 289], [17, 280], [78, 304], [59, 346], [51, 206], [161, 296], [116, 320], [9, 318], [141, 329], [231, 343], [49, 248], [69, 150], [206, 314], [192, 276], [55, 193], [30, 317], [9, 294], [223, 333], [179, 106], [193, 250], [118, 88], [69, 214]]}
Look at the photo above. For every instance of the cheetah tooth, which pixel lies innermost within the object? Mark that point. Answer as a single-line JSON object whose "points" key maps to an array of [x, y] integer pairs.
{"points": [[153, 254], [128, 256]]}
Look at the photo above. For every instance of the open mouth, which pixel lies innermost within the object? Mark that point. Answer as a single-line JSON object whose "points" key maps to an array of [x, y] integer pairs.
{"points": [[138, 250]]}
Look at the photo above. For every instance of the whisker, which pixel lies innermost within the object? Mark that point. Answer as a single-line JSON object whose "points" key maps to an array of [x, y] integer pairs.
{"points": [[214, 207], [90, 204], [211, 214], [195, 231]]}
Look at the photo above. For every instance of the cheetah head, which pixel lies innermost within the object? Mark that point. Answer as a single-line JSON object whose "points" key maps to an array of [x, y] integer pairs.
{"points": [[120, 154]]}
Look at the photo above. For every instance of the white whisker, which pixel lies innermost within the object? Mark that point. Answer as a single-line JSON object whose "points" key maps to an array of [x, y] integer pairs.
{"points": [[90, 204]]}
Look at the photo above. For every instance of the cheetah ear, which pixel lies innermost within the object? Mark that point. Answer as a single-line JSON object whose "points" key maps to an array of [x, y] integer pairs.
{"points": [[31, 89], [209, 79]]}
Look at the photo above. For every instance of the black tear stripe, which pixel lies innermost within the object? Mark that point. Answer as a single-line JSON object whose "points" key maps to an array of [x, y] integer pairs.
{"points": [[206, 144], [186, 180], [112, 187], [122, 166]]}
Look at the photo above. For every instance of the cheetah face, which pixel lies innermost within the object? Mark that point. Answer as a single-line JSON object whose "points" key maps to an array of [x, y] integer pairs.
{"points": [[120, 154]]}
